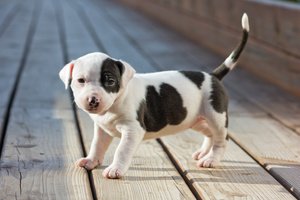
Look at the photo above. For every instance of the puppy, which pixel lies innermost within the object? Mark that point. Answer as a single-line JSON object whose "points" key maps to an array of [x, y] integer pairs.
{"points": [[135, 107]]}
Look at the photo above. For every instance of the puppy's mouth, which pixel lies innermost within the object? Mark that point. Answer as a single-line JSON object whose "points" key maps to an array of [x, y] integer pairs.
{"points": [[92, 110], [96, 111]]}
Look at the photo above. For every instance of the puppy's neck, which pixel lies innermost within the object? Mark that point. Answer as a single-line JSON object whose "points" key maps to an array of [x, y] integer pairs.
{"points": [[119, 101]]}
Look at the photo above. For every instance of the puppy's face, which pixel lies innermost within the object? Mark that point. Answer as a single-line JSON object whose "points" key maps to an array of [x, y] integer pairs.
{"points": [[96, 81]]}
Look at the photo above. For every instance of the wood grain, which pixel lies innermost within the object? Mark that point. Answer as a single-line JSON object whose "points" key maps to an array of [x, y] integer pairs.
{"points": [[12, 48], [272, 145], [280, 104], [7, 14], [239, 176], [41, 141]]}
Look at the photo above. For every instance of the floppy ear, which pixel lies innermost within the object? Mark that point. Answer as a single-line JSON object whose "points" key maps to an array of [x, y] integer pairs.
{"points": [[65, 74], [127, 72]]}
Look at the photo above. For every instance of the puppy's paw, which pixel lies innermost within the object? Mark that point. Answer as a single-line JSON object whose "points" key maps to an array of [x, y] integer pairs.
{"points": [[113, 172], [208, 162], [87, 163], [200, 153]]}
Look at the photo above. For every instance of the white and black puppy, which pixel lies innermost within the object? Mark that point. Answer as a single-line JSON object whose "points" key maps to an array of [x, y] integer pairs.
{"points": [[135, 107]]}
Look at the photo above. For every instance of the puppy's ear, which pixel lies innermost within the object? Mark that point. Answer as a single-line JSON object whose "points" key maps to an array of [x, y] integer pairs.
{"points": [[65, 74], [127, 72]]}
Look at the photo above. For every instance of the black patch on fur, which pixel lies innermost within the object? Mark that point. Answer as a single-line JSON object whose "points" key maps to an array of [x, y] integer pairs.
{"points": [[195, 77], [111, 75], [141, 112], [237, 52], [221, 71], [218, 96], [161, 108]]}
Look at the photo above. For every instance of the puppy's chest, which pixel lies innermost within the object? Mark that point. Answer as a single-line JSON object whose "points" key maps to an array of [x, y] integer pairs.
{"points": [[108, 124]]}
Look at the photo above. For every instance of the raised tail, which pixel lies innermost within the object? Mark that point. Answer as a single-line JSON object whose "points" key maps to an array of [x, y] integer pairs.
{"points": [[232, 59]]}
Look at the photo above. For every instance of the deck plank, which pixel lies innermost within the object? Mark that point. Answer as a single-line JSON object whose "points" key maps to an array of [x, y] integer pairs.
{"points": [[7, 14], [190, 62], [41, 142], [11, 52], [115, 42], [284, 107], [239, 176], [272, 145], [151, 174]]}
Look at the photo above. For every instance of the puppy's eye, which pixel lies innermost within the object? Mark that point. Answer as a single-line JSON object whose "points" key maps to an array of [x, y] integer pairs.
{"points": [[81, 80], [109, 80]]}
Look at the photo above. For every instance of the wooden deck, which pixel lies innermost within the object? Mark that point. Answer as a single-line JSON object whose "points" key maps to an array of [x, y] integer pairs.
{"points": [[43, 134]]}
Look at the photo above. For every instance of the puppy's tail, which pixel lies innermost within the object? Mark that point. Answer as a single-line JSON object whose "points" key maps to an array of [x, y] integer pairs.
{"points": [[232, 59]]}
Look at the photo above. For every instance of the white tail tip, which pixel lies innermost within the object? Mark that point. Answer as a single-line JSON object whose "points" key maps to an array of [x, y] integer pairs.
{"points": [[245, 22]]}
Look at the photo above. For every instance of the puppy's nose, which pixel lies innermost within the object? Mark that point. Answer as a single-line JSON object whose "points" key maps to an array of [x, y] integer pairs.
{"points": [[93, 102]]}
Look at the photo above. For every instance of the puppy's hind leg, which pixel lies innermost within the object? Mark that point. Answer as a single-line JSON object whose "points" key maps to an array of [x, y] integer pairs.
{"points": [[215, 109], [202, 126], [217, 124]]}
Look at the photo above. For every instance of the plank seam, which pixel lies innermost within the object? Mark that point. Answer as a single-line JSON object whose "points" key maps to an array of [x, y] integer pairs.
{"points": [[27, 47], [62, 36], [129, 38], [86, 21], [89, 172], [182, 173], [83, 17], [267, 111], [285, 184]]}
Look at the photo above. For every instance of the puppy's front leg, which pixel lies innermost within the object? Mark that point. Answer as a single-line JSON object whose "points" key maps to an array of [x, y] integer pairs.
{"points": [[100, 143], [130, 141]]}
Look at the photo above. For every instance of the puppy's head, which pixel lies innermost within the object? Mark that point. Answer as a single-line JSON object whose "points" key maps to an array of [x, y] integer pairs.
{"points": [[96, 81]]}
